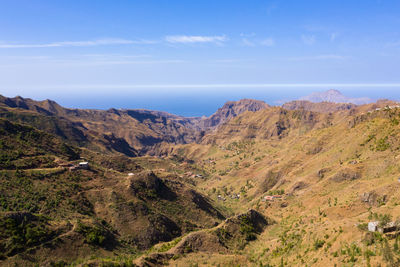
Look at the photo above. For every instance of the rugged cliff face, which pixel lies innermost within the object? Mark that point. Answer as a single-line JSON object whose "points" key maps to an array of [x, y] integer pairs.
{"points": [[130, 132], [265, 124], [319, 171], [125, 131], [322, 107], [230, 110]]}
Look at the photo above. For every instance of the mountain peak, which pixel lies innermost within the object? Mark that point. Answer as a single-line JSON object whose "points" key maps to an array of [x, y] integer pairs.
{"points": [[334, 92], [334, 96], [249, 104], [232, 109]]}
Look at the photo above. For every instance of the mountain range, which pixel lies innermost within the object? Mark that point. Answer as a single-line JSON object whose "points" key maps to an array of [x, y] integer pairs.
{"points": [[253, 184]]}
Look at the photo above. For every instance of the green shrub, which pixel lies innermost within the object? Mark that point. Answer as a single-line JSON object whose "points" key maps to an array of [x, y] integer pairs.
{"points": [[69, 152], [19, 234], [382, 144], [94, 235], [363, 226], [222, 234], [246, 228], [318, 244], [167, 246]]}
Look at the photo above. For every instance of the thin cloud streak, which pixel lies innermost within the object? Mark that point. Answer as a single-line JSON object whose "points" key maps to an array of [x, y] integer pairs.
{"points": [[319, 57], [191, 39], [194, 86], [268, 42], [78, 43]]}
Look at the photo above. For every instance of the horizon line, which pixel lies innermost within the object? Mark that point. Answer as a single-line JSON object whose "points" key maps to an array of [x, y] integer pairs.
{"points": [[218, 85]]}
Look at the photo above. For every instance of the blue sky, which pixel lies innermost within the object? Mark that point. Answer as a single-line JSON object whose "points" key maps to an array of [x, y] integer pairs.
{"points": [[189, 57]]}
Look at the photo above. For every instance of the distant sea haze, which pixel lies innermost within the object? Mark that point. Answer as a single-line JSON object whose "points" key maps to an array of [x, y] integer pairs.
{"points": [[335, 96], [197, 102]]}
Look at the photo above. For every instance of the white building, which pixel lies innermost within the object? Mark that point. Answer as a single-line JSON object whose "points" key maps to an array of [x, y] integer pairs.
{"points": [[373, 226], [84, 165]]}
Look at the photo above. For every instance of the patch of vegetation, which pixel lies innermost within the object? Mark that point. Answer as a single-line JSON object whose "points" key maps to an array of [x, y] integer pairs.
{"points": [[383, 219], [70, 152], [50, 193], [373, 238], [240, 146], [167, 246], [247, 228], [23, 147], [20, 231], [382, 144], [289, 239], [318, 243], [363, 226], [276, 192], [369, 139], [351, 252], [94, 234], [222, 234]]}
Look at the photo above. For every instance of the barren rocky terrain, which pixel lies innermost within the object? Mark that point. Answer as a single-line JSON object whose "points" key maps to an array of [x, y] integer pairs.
{"points": [[251, 185]]}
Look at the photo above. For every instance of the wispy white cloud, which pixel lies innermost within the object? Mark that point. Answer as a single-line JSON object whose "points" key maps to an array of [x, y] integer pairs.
{"points": [[191, 39], [247, 42], [308, 39], [251, 42], [319, 57], [98, 42], [268, 42], [321, 31]]}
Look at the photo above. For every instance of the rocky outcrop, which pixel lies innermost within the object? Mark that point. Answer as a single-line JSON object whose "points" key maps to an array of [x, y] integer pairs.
{"points": [[321, 173], [270, 123], [298, 186], [230, 110], [128, 131], [346, 174], [323, 107], [271, 179], [373, 199]]}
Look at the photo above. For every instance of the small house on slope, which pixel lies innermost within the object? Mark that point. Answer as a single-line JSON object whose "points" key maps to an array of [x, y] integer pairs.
{"points": [[388, 228], [84, 165], [373, 226], [271, 198]]}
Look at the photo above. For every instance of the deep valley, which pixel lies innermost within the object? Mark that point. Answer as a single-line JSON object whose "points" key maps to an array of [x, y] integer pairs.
{"points": [[251, 185]]}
